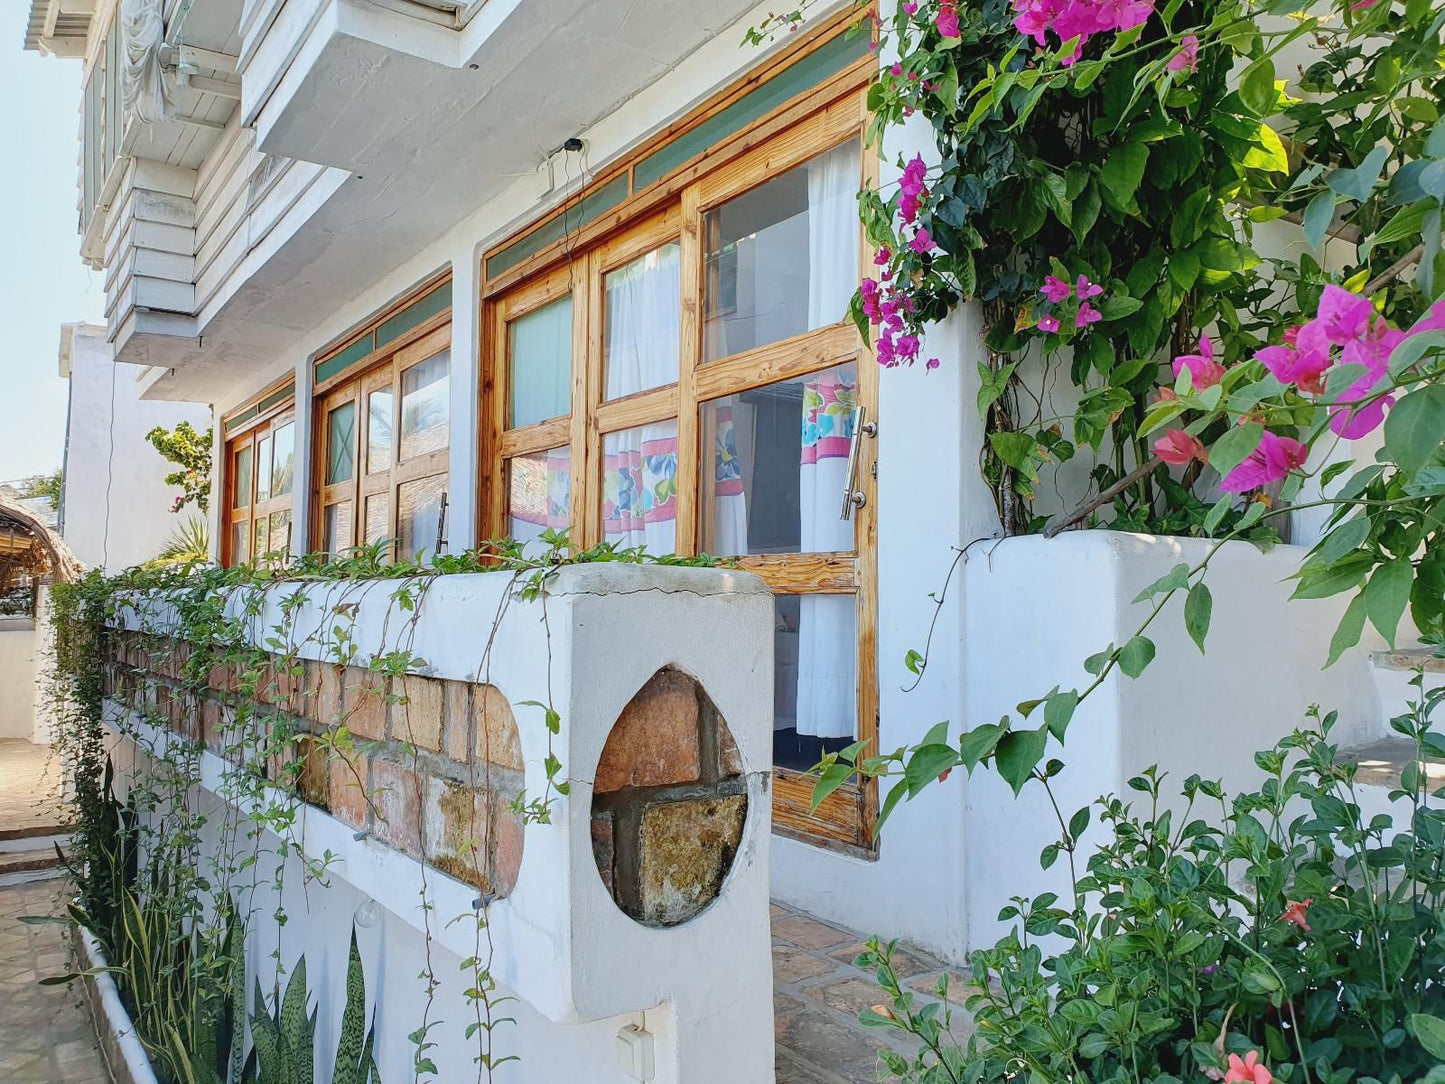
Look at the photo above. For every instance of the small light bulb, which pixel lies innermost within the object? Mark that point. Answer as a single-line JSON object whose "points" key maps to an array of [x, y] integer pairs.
{"points": [[368, 914]]}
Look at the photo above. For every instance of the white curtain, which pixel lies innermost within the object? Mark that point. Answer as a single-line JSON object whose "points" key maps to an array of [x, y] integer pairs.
{"points": [[639, 486], [827, 624]]}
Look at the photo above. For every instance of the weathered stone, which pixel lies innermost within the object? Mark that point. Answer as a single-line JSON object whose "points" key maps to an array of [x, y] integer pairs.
{"points": [[348, 787], [850, 995], [328, 695], [363, 701], [654, 741], [604, 848], [398, 805], [494, 728], [809, 933], [457, 725], [456, 831], [314, 780], [687, 850], [416, 717], [793, 965], [730, 761]]}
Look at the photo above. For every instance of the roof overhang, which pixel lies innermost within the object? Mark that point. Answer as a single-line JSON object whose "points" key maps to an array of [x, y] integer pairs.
{"points": [[59, 27]]}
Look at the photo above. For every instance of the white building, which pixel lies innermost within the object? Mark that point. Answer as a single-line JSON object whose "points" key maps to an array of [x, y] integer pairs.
{"points": [[116, 508], [451, 271]]}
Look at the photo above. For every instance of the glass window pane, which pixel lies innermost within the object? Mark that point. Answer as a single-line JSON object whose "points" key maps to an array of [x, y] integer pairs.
{"points": [[425, 406], [815, 682], [782, 259], [240, 542], [341, 443], [539, 358], [643, 327], [241, 477], [280, 533], [263, 469], [780, 456], [283, 468], [639, 487], [378, 518], [337, 527], [419, 515], [378, 431], [539, 493]]}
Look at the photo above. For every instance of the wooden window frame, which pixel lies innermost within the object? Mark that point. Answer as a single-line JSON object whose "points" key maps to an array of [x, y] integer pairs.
{"points": [[819, 121], [248, 436], [383, 369]]}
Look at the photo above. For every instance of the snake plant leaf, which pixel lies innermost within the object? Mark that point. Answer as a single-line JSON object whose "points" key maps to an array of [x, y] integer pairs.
{"points": [[270, 1067], [297, 1040], [353, 1049], [236, 944]]}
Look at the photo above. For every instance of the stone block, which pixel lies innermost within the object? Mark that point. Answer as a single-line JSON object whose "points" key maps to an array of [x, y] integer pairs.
{"points": [[457, 724], [398, 805], [363, 703], [792, 965], [314, 780], [328, 695], [508, 840], [654, 741], [494, 728], [687, 847], [809, 933], [730, 761], [348, 787], [416, 717], [457, 830], [604, 847]]}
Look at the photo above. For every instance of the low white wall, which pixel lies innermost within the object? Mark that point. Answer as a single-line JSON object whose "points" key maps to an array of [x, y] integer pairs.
{"points": [[1037, 608], [17, 677], [580, 966]]}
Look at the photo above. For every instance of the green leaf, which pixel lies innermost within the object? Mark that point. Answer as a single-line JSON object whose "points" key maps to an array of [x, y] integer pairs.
{"points": [[895, 795], [1235, 446], [1059, 711], [1015, 449], [1122, 172], [1198, 608], [1018, 752], [926, 764], [1217, 513], [1120, 306], [1348, 631], [1343, 540], [1256, 87], [1406, 223], [1430, 1031], [979, 743], [1386, 595], [1137, 654], [1318, 581], [833, 777], [1268, 154], [1415, 428], [1319, 213], [1176, 579], [1359, 183]]}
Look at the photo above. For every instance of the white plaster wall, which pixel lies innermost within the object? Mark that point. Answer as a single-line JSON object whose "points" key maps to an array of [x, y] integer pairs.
{"points": [[116, 505], [45, 723], [17, 677]]}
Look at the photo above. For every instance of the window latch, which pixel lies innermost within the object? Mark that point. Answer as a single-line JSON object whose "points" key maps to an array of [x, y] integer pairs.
{"points": [[442, 526]]}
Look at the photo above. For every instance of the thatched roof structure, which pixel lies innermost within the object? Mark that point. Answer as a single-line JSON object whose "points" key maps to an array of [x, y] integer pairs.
{"points": [[30, 549]]}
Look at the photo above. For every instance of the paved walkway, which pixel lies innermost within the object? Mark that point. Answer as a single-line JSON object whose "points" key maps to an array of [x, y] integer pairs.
{"points": [[818, 994], [29, 790]]}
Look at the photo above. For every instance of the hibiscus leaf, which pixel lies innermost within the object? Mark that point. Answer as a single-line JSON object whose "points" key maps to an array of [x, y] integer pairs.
{"points": [[1137, 654], [1198, 609], [1347, 633], [1386, 595], [1415, 428], [1235, 446]]}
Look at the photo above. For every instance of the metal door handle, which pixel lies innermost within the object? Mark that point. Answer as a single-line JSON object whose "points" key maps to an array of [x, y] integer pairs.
{"points": [[853, 497]]}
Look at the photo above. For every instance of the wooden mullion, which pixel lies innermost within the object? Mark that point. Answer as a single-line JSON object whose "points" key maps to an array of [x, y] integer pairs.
{"points": [[639, 240], [578, 401], [804, 573], [493, 392], [387, 353], [642, 408], [589, 525], [539, 437], [801, 355], [689, 355]]}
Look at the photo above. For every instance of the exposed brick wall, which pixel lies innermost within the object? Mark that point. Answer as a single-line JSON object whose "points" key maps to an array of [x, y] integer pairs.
{"points": [[434, 765], [668, 802]]}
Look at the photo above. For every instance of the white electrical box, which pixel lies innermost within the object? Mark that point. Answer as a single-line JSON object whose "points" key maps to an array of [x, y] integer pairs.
{"points": [[634, 1052]]}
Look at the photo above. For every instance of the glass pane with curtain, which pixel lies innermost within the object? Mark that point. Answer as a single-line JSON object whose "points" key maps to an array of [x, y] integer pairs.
{"points": [[378, 430], [337, 527], [283, 467], [641, 339], [378, 518], [419, 515], [280, 532], [341, 443], [258, 545], [782, 259], [639, 487], [240, 542], [539, 493], [426, 406], [539, 364], [241, 479], [263, 469], [815, 677], [778, 466]]}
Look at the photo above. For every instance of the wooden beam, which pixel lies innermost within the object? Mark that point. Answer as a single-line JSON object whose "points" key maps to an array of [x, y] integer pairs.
{"points": [[205, 85], [193, 57]]}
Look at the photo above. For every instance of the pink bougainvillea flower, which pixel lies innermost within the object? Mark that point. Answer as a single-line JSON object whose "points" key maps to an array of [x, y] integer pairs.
{"points": [[911, 188], [1343, 316], [868, 290], [883, 256], [1373, 353], [948, 21], [1048, 323], [1055, 288], [1295, 913], [1275, 457], [1178, 448], [1087, 289], [1187, 58], [1087, 315], [911, 7], [931, 364], [1204, 371], [1434, 320], [922, 242], [1247, 1070], [896, 68]]}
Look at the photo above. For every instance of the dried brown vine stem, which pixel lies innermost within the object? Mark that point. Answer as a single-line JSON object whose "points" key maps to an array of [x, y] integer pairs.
{"points": [[1105, 497], [1391, 273]]}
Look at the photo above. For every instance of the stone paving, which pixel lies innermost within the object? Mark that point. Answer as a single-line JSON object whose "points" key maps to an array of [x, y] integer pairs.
{"points": [[818, 993], [29, 790]]}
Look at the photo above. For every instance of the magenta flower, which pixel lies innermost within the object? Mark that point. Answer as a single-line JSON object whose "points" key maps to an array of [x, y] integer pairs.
{"points": [[896, 69], [1087, 315], [948, 21], [1342, 316], [931, 364], [1178, 448], [1048, 323], [1353, 422], [1087, 289], [911, 6], [868, 290], [1434, 320], [922, 242], [1275, 457], [1204, 371], [1055, 289], [1187, 58], [883, 256], [911, 187]]}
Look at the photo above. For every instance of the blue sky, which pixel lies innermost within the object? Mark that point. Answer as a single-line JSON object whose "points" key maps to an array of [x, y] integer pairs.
{"points": [[42, 281]]}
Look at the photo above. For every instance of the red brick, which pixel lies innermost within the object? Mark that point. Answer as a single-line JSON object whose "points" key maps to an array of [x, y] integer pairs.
{"points": [[348, 788], [494, 729], [398, 805], [220, 678], [328, 694], [604, 847], [364, 703], [730, 761], [211, 723], [509, 836], [654, 741], [416, 717]]}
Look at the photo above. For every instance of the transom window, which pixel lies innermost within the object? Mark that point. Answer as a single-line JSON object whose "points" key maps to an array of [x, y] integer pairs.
{"points": [[692, 385], [260, 475]]}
